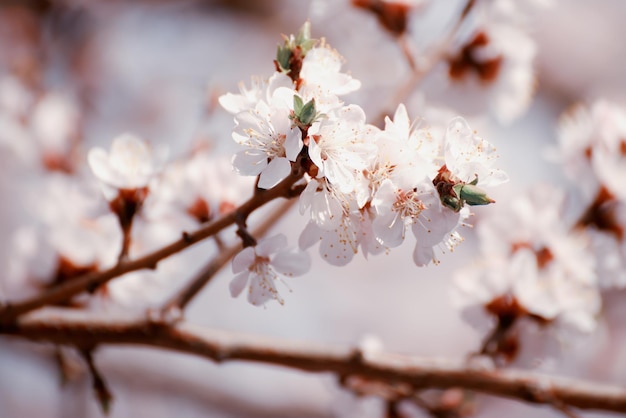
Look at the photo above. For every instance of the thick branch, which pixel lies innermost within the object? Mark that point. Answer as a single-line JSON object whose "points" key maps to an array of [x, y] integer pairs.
{"points": [[75, 328], [69, 289]]}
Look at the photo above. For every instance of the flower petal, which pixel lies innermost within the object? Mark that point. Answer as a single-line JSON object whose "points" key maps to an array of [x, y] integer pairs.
{"points": [[271, 245], [243, 260], [276, 170], [238, 283], [291, 263]]}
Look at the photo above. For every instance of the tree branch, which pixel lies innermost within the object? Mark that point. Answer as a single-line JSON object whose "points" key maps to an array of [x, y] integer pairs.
{"points": [[79, 328], [65, 291]]}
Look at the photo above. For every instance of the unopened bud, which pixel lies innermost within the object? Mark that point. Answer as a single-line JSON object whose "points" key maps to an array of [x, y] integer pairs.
{"points": [[303, 38], [473, 195]]}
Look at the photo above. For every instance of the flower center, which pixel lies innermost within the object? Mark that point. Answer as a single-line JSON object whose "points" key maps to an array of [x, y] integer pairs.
{"points": [[408, 204]]}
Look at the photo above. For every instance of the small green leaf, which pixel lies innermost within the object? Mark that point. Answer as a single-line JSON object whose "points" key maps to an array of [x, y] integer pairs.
{"points": [[304, 34], [308, 113], [282, 57], [297, 105], [307, 45]]}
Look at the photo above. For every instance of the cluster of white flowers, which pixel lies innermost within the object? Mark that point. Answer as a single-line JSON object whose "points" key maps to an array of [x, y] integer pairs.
{"points": [[592, 148], [362, 186], [532, 266], [365, 185], [539, 266]]}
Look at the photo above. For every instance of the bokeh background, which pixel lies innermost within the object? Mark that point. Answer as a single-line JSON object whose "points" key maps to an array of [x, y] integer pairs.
{"points": [[156, 68]]}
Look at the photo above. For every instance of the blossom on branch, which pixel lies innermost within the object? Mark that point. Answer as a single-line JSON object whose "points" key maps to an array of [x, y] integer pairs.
{"points": [[532, 268], [259, 267], [129, 164], [592, 150], [125, 173], [270, 139], [366, 186]]}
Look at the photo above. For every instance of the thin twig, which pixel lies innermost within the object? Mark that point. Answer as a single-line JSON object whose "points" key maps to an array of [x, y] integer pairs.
{"points": [[10, 311], [181, 299], [100, 387], [84, 329]]}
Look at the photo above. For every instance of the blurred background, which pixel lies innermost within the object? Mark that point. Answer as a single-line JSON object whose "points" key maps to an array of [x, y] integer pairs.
{"points": [[156, 68]]}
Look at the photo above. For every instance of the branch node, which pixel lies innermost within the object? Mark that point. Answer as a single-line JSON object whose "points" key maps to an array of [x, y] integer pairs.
{"points": [[169, 315]]}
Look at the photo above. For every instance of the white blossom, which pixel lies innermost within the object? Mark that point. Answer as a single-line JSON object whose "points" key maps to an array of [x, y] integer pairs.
{"points": [[341, 146], [469, 157], [130, 164], [270, 139], [248, 98], [322, 78], [529, 255], [593, 149], [259, 267]]}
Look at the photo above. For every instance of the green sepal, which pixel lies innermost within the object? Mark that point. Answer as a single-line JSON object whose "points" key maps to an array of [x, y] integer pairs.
{"points": [[303, 38], [474, 196], [452, 202], [283, 55], [307, 113], [297, 105]]}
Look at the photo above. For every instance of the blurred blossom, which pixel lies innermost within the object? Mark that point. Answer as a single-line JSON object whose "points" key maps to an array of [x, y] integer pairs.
{"points": [[592, 146], [55, 121], [546, 262], [202, 187], [532, 267], [490, 67], [130, 164], [592, 152]]}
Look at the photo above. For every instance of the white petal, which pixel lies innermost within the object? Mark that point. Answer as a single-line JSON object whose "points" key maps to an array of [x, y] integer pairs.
{"points": [[293, 143], [326, 211], [238, 283], [262, 288], [389, 229], [310, 236], [243, 260], [292, 263], [98, 160], [250, 162], [384, 198], [276, 170], [271, 245], [423, 255], [306, 198], [316, 156]]}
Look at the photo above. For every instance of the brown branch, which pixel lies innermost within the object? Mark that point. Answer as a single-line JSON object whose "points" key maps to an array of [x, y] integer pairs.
{"points": [[82, 329], [65, 291], [181, 299], [99, 385]]}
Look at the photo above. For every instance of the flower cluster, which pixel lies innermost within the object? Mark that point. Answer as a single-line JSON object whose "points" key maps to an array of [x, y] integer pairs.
{"points": [[366, 186], [533, 268], [593, 151]]}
